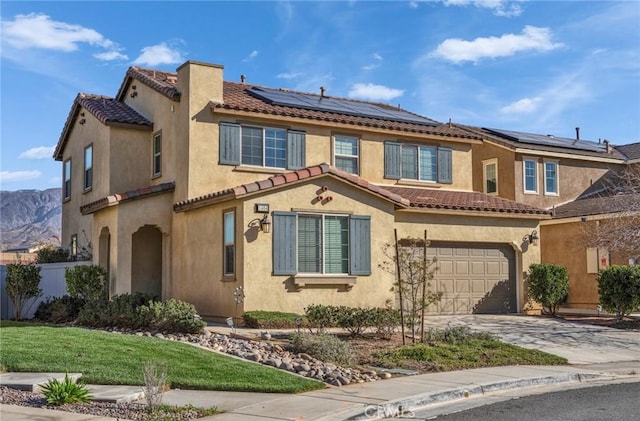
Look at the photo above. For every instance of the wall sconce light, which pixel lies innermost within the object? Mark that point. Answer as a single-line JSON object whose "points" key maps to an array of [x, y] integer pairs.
{"points": [[265, 224], [532, 238]]}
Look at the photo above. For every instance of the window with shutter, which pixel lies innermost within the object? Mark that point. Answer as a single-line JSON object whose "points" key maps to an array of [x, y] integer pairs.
{"points": [[414, 162]]}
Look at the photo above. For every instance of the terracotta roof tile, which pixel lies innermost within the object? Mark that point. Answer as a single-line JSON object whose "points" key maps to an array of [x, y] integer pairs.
{"points": [[117, 198], [462, 200], [163, 82], [599, 205]]}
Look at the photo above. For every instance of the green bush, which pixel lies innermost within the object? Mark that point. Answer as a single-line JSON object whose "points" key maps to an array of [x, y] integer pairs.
{"points": [[124, 310], [619, 289], [385, 321], [455, 335], [324, 347], [94, 314], [59, 310], [355, 320], [171, 316], [51, 254], [87, 282], [64, 392], [22, 284], [271, 320], [321, 316], [548, 285]]}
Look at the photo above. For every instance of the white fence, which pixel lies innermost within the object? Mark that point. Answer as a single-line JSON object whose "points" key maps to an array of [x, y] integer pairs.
{"points": [[53, 285]]}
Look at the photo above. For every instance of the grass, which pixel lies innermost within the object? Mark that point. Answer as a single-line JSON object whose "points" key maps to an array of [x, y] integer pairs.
{"points": [[470, 353], [111, 358]]}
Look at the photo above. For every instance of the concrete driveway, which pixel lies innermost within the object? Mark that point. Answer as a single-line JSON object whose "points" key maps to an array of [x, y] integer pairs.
{"points": [[578, 342]]}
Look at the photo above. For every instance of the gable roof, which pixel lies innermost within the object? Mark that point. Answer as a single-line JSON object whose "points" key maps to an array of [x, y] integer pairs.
{"points": [[630, 151], [161, 81], [108, 111], [402, 197], [598, 205], [118, 198]]}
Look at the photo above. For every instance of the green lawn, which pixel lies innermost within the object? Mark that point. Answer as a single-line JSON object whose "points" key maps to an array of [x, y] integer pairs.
{"points": [[111, 358], [472, 353]]}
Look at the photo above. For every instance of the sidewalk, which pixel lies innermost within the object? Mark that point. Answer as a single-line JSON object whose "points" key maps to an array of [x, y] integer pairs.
{"points": [[365, 400]]}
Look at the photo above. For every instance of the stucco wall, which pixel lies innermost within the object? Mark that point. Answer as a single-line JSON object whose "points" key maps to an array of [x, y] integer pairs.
{"points": [[130, 160], [506, 168]]}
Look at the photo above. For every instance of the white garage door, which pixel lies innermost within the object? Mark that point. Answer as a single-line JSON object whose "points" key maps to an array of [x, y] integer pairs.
{"points": [[474, 278]]}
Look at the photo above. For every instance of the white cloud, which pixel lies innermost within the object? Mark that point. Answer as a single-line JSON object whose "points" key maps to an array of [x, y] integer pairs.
{"points": [[413, 4], [374, 92], [37, 30], [532, 38], [251, 56], [377, 56], [17, 176], [40, 152], [500, 7], [289, 75], [111, 55], [523, 106], [159, 54], [370, 67]]}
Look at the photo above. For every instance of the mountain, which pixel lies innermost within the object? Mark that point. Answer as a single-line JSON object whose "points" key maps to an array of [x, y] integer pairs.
{"points": [[30, 217]]}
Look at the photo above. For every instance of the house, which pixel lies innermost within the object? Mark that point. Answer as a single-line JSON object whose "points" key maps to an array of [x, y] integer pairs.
{"points": [[573, 179], [239, 197]]}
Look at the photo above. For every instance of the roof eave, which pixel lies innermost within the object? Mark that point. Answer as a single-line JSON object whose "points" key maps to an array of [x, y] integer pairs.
{"points": [[485, 213]]}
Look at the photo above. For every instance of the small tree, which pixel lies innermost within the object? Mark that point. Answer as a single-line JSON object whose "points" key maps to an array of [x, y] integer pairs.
{"points": [[87, 282], [619, 289], [22, 284], [548, 285], [414, 272]]}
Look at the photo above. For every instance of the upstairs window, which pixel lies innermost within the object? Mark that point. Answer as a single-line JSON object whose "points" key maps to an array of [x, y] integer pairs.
{"points": [[346, 154], [66, 177], [157, 155], [261, 147], [530, 176], [413, 162], [551, 178], [229, 224], [490, 176], [88, 167]]}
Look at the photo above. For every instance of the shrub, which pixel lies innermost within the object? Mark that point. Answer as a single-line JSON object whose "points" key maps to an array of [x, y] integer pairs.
{"points": [[385, 321], [355, 320], [87, 282], [324, 347], [94, 314], [51, 254], [59, 310], [619, 289], [271, 320], [171, 316], [64, 392], [321, 316], [22, 284], [155, 382], [455, 335], [548, 285]]}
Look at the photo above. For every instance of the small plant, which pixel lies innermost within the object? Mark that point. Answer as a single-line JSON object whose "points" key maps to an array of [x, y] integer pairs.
{"points": [[155, 382], [321, 317], [548, 285], [22, 284], [619, 289], [59, 310], [270, 320], [67, 391], [324, 347], [87, 282], [52, 254], [173, 316]]}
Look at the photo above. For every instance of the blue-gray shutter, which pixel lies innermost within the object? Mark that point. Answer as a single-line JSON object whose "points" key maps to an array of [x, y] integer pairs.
{"points": [[392, 160], [284, 243], [229, 144], [445, 172], [295, 150], [360, 245]]}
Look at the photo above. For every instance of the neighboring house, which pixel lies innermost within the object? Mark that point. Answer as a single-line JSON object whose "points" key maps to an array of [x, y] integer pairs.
{"points": [[191, 187]]}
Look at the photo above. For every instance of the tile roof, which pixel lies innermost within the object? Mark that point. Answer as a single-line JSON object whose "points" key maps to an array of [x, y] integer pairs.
{"points": [[107, 110], [403, 197], [236, 97], [117, 198], [599, 205], [631, 151], [288, 178], [463, 200]]}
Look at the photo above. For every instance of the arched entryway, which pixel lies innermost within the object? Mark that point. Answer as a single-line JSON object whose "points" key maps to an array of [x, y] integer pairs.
{"points": [[146, 261]]}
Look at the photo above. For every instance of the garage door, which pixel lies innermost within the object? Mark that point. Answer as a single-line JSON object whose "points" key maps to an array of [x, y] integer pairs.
{"points": [[474, 278]]}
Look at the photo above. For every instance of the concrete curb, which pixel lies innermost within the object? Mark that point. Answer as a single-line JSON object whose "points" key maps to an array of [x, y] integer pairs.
{"points": [[396, 408]]}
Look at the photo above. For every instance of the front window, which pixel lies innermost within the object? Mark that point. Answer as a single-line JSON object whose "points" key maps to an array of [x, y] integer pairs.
{"points": [[157, 155], [66, 176], [491, 177], [420, 163], [264, 147], [530, 176], [346, 154], [88, 167], [551, 178], [229, 242], [323, 244]]}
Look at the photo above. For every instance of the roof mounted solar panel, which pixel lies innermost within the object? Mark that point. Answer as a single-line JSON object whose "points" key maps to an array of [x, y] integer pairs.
{"points": [[338, 105], [549, 140]]}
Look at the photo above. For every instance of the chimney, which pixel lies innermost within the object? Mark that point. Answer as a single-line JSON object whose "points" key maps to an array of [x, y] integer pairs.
{"points": [[577, 133], [243, 79], [200, 83], [606, 145], [322, 89]]}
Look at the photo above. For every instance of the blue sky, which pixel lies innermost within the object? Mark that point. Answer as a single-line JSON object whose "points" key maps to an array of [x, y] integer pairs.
{"points": [[535, 66]]}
